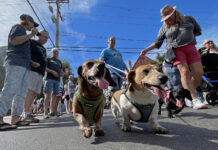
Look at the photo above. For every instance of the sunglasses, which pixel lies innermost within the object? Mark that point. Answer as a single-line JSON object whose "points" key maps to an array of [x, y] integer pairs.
{"points": [[55, 52], [209, 42]]}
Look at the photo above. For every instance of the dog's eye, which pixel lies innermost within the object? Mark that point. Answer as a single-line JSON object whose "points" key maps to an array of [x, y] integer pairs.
{"points": [[146, 71], [90, 64]]}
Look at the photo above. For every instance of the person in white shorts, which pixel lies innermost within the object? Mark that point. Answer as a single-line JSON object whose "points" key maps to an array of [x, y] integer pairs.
{"points": [[38, 55], [71, 91]]}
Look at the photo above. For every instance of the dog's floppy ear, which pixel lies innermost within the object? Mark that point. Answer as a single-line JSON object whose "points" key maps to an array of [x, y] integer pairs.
{"points": [[131, 76], [79, 71], [109, 79], [81, 79]]}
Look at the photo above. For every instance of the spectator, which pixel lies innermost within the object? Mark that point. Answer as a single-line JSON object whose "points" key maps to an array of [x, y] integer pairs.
{"points": [[67, 97], [180, 32], [52, 81], [41, 106], [17, 63], [210, 45], [38, 54], [71, 90], [58, 98], [114, 58]]}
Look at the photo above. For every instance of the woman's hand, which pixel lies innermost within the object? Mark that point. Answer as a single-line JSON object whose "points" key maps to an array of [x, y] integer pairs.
{"points": [[35, 64], [143, 52]]}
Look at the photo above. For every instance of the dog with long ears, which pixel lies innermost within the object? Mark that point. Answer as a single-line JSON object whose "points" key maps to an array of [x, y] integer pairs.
{"points": [[88, 102], [138, 102]]}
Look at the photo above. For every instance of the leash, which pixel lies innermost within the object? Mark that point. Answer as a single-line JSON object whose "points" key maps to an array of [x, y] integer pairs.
{"points": [[183, 120], [114, 70]]}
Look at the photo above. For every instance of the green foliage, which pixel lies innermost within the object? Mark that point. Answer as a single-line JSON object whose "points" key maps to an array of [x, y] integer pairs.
{"points": [[159, 59]]}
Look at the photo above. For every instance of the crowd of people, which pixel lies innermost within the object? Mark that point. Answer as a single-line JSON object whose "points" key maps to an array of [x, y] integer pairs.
{"points": [[27, 60], [26, 65]]}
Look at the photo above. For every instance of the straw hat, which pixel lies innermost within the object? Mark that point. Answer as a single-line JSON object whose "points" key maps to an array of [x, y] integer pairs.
{"points": [[166, 12]]}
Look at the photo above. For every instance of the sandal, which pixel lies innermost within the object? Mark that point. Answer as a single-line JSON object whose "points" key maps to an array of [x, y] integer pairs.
{"points": [[7, 126], [22, 123]]}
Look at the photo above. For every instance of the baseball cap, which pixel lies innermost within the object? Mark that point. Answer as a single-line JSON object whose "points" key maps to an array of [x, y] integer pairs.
{"points": [[25, 17]]}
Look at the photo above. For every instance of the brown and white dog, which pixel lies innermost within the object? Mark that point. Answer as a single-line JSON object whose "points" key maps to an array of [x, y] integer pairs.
{"points": [[93, 77], [139, 98]]}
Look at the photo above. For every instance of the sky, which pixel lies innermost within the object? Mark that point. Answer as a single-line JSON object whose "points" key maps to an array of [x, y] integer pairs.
{"points": [[88, 24]]}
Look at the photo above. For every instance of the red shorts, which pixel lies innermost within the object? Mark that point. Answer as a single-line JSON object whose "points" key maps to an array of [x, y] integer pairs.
{"points": [[186, 54]]}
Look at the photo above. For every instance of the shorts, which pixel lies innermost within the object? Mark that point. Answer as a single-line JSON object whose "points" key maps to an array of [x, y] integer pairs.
{"points": [[60, 93], [173, 74], [118, 80], [52, 86], [35, 82], [67, 97], [186, 54]]}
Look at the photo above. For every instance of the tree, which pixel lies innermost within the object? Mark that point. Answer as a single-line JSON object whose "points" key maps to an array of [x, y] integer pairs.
{"points": [[159, 59]]}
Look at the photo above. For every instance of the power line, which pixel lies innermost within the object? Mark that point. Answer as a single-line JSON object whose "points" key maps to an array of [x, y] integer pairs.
{"points": [[103, 37], [48, 24], [98, 51], [98, 47], [39, 20]]}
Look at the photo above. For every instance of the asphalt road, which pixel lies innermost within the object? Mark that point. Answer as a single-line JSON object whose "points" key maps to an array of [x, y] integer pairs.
{"points": [[191, 130]]}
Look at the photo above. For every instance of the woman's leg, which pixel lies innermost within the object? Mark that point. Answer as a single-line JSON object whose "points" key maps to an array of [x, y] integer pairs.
{"points": [[197, 72], [186, 79]]}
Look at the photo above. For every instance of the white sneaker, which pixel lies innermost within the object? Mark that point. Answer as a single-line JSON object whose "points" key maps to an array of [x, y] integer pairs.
{"points": [[188, 103], [46, 116], [197, 104], [205, 102]]}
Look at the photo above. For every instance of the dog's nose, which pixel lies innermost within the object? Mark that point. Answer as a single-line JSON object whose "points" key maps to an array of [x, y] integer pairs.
{"points": [[101, 66], [163, 79]]}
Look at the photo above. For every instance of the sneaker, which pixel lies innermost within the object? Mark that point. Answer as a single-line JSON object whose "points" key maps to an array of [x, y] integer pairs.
{"points": [[30, 118], [205, 102], [45, 116], [197, 104], [57, 114], [53, 114], [188, 103]]}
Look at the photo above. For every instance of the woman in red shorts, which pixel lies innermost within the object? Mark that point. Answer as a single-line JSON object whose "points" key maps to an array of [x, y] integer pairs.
{"points": [[180, 32]]}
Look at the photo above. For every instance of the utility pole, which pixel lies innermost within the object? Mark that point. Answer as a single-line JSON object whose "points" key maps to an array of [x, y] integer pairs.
{"points": [[58, 15]]}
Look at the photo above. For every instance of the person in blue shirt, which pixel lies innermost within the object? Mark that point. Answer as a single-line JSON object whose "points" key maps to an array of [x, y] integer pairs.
{"points": [[113, 57]]}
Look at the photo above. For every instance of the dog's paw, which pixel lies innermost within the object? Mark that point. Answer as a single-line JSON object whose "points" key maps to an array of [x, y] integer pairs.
{"points": [[99, 132], [117, 122], [170, 116], [160, 130], [126, 128], [87, 132]]}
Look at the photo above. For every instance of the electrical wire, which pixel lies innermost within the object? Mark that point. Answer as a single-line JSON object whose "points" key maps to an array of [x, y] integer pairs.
{"points": [[39, 20]]}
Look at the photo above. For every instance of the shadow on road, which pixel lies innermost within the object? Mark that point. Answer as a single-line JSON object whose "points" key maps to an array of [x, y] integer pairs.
{"points": [[179, 137]]}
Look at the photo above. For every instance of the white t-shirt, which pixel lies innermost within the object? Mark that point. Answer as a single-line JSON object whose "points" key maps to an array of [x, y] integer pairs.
{"points": [[71, 90], [66, 87]]}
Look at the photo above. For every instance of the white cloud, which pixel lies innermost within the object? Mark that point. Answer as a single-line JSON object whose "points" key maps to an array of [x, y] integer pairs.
{"points": [[83, 6]]}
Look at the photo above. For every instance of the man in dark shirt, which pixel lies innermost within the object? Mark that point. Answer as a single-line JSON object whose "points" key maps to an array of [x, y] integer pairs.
{"points": [[17, 63], [52, 82], [38, 55]]}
